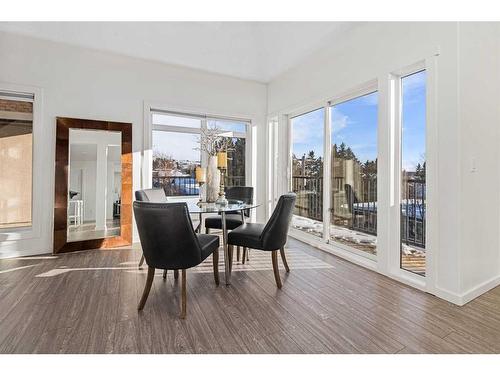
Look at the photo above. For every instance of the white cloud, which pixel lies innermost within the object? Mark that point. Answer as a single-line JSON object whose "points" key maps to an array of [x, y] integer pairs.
{"points": [[308, 129], [339, 120]]}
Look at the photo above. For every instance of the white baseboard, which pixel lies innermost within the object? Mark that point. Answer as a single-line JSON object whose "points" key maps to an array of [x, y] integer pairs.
{"points": [[480, 289], [471, 294], [449, 296]]}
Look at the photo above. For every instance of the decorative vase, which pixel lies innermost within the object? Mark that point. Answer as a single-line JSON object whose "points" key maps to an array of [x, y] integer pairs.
{"points": [[213, 180]]}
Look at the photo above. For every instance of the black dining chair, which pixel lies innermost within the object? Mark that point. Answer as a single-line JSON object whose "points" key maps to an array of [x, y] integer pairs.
{"points": [[233, 220], [169, 241], [268, 237], [152, 195]]}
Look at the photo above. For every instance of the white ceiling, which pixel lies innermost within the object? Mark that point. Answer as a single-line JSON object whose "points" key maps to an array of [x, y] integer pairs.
{"points": [[250, 50]]}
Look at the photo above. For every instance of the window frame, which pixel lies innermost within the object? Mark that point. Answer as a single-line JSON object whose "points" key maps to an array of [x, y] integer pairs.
{"points": [[394, 254], [7, 235], [272, 164], [400, 79], [149, 127]]}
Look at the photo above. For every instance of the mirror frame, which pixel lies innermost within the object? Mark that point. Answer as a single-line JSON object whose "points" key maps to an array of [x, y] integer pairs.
{"points": [[60, 240]]}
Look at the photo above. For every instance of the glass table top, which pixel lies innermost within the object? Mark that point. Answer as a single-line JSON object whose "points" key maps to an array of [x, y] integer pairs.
{"points": [[233, 205]]}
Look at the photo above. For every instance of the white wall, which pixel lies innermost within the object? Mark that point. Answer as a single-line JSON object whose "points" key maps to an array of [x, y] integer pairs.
{"points": [[466, 100], [84, 83], [479, 109]]}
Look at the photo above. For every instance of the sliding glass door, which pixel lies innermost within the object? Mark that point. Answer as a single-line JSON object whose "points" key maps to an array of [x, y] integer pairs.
{"points": [[335, 173], [413, 172], [346, 200], [307, 170], [353, 186]]}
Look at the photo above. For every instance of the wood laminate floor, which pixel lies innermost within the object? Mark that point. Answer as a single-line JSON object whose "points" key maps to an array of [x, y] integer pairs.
{"points": [[86, 303]]}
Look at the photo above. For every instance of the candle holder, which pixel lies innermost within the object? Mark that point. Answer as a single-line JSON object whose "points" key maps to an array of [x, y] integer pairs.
{"points": [[200, 178], [200, 190], [222, 201]]}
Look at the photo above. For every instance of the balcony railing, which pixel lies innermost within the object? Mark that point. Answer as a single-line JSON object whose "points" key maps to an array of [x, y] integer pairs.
{"points": [[413, 213], [177, 185], [309, 192], [234, 181], [187, 185], [357, 208]]}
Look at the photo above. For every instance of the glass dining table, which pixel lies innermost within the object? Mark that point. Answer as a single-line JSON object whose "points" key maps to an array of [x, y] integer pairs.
{"points": [[232, 207]]}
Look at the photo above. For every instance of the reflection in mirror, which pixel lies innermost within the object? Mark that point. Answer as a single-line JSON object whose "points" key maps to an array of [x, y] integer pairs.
{"points": [[94, 180]]}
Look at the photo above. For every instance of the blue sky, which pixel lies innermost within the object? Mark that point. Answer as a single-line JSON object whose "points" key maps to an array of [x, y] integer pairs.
{"points": [[413, 118], [307, 132], [354, 122]]}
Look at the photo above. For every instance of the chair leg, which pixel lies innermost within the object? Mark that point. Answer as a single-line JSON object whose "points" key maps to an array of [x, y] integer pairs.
{"points": [[237, 253], [141, 262], [164, 274], [274, 256], [147, 288], [231, 254], [244, 255], [215, 261], [248, 255], [176, 274], [183, 295], [283, 258], [207, 230]]}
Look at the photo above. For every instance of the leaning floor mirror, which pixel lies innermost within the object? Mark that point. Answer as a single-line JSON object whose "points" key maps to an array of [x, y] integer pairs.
{"points": [[93, 190]]}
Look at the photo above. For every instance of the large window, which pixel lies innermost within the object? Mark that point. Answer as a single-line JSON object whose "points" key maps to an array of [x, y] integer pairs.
{"points": [[176, 151], [351, 172], [307, 170], [413, 172], [16, 160], [354, 173]]}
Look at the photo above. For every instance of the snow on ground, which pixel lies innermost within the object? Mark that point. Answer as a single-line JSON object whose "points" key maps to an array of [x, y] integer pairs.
{"points": [[362, 241]]}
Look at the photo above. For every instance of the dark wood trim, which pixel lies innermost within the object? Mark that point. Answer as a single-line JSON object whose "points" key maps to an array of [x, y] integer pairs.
{"points": [[60, 241]]}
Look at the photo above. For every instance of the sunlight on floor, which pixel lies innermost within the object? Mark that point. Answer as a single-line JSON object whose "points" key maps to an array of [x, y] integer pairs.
{"points": [[17, 268], [259, 261]]}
